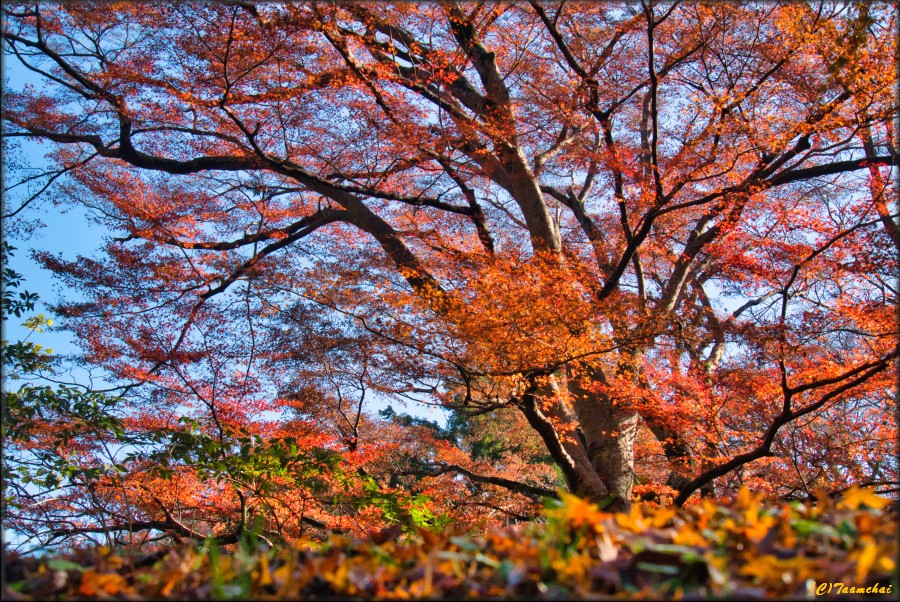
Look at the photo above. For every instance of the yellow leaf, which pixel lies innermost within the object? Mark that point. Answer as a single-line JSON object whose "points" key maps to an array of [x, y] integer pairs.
{"points": [[762, 567], [856, 497], [662, 516], [174, 579], [688, 536], [865, 558], [37, 323], [265, 574], [283, 573], [633, 521], [93, 583], [577, 511], [768, 569], [745, 498], [755, 527]]}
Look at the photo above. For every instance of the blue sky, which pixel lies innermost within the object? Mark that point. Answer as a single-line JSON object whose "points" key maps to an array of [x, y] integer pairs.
{"points": [[68, 231], [64, 231]]}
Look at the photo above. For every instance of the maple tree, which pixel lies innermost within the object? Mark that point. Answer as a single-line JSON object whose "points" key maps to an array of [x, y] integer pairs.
{"points": [[633, 249]]}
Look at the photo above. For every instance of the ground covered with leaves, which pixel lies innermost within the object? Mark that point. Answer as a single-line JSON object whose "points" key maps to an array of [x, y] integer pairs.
{"points": [[745, 547]]}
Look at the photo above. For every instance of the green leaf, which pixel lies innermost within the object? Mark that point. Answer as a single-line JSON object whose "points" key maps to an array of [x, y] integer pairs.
{"points": [[60, 564], [665, 569]]}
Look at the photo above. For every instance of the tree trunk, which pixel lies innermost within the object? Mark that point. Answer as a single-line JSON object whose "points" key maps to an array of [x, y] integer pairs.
{"points": [[545, 409], [609, 433]]}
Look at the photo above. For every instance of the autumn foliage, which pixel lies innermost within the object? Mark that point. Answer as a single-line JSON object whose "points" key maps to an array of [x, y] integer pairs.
{"points": [[738, 549], [640, 253]]}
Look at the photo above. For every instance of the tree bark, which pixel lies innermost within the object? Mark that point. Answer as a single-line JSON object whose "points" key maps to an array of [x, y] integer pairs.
{"points": [[609, 432], [545, 409]]}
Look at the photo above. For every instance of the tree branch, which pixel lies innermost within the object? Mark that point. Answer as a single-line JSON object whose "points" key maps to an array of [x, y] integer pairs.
{"points": [[786, 416], [516, 486]]}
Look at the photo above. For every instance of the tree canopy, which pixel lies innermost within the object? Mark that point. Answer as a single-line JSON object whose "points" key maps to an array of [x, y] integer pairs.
{"points": [[634, 250]]}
